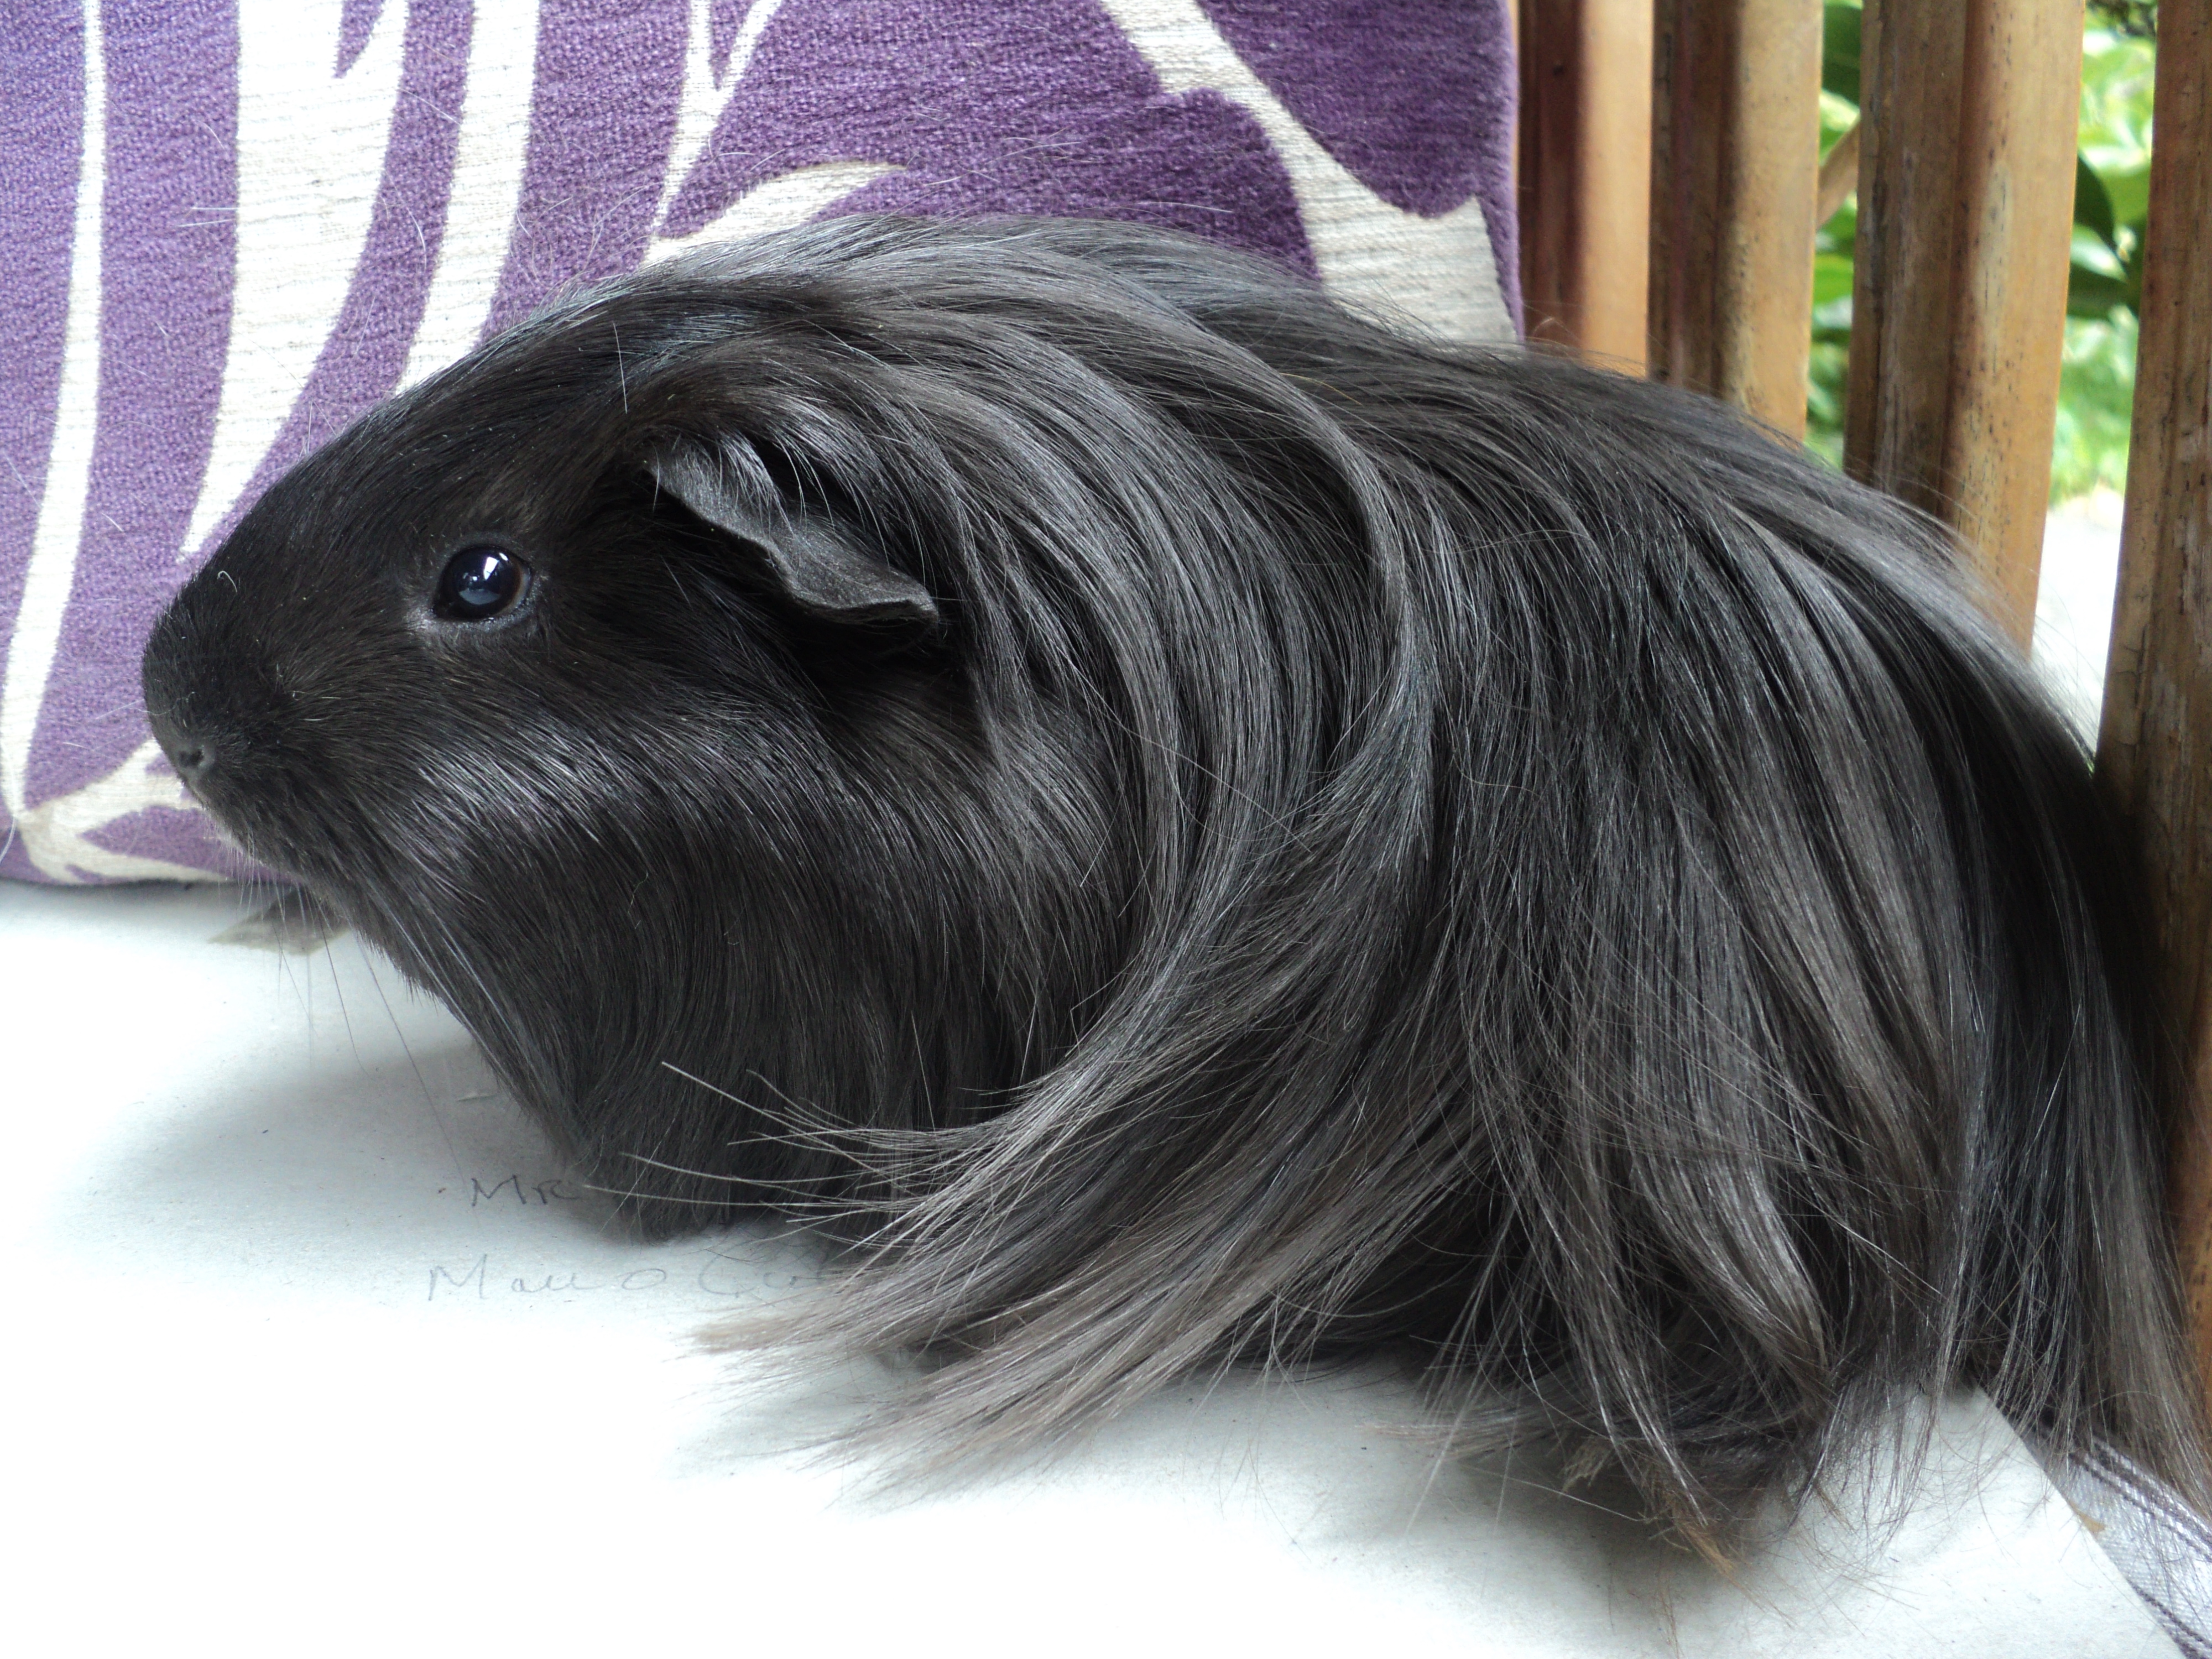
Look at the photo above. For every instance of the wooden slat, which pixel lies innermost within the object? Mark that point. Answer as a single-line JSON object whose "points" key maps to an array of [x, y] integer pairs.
{"points": [[1584, 173], [2154, 752], [1965, 218], [1735, 175]]}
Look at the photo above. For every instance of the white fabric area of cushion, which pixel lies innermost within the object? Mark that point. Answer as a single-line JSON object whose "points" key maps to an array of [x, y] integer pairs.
{"points": [[312, 1345]]}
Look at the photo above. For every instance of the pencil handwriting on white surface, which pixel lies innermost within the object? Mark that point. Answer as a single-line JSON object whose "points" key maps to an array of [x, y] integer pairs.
{"points": [[718, 1274], [478, 1279], [545, 1192]]}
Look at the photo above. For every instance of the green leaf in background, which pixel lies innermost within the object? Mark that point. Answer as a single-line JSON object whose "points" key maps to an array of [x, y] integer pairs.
{"points": [[2137, 17], [2096, 387], [1839, 50], [2093, 203], [2093, 294], [1829, 365], [2128, 189], [1831, 279]]}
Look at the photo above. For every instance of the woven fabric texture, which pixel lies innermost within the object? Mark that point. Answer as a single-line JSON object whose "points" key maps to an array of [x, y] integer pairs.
{"points": [[233, 227]]}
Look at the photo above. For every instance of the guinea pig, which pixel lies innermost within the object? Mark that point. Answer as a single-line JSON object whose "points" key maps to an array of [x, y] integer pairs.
{"points": [[1221, 829]]}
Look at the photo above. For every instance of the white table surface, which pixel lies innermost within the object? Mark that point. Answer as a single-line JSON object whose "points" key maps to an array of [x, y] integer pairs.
{"points": [[313, 1351]]}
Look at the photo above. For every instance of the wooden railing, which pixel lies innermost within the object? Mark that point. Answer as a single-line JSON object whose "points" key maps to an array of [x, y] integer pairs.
{"points": [[1965, 180], [2154, 752], [1735, 142]]}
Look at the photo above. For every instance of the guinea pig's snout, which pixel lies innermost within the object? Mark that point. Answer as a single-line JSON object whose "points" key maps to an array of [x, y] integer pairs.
{"points": [[193, 753], [191, 678]]}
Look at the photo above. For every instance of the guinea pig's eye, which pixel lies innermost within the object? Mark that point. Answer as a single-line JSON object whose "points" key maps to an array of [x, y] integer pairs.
{"points": [[479, 583]]}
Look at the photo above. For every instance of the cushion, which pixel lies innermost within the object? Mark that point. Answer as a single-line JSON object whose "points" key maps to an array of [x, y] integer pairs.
{"points": [[231, 228]]}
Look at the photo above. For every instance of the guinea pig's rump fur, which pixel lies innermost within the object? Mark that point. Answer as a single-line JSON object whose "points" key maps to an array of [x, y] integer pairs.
{"points": [[1219, 830]]}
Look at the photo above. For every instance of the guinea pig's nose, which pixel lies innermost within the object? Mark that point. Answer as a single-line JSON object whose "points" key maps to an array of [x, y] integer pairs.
{"points": [[191, 760], [189, 751]]}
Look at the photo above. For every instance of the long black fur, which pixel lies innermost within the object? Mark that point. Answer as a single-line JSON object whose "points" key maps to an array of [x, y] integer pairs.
{"points": [[1230, 830]]}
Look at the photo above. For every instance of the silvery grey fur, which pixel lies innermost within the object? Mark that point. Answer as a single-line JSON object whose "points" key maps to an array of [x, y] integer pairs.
{"points": [[1205, 828]]}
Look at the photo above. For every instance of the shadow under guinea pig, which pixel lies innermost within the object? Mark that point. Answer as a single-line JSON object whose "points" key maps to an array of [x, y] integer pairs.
{"points": [[314, 1128]]}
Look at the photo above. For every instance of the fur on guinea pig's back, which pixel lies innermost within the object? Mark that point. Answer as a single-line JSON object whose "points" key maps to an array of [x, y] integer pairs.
{"points": [[1198, 825]]}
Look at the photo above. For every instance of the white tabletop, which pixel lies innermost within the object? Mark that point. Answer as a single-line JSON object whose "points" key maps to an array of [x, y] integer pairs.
{"points": [[314, 1350]]}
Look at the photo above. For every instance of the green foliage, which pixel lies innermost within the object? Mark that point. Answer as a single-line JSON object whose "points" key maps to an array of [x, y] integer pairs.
{"points": [[2096, 386], [2137, 17], [1829, 369], [2111, 187], [1839, 50], [2111, 193]]}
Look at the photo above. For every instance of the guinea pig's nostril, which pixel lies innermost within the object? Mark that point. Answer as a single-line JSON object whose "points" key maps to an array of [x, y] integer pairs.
{"points": [[193, 758], [190, 751]]}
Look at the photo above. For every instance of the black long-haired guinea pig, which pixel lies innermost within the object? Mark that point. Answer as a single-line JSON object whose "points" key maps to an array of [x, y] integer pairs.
{"points": [[1219, 830]]}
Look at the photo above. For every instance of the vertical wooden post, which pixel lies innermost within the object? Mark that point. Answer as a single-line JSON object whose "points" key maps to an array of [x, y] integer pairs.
{"points": [[1736, 162], [2155, 753], [1958, 313], [1584, 172]]}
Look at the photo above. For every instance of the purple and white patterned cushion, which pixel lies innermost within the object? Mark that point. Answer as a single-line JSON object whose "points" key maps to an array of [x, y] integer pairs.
{"points": [[232, 225]]}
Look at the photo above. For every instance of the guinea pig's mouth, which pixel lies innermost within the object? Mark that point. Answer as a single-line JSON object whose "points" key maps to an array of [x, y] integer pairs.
{"points": [[223, 833], [197, 761], [225, 773], [263, 846], [255, 850]]}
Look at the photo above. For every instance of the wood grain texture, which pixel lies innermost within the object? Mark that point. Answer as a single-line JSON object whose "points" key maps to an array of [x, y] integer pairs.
{"points": [[2154, 751], [1735, 178], [1965, 219], [1583, 172]]}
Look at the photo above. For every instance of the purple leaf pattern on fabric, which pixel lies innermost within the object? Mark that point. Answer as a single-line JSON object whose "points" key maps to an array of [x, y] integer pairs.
{"points": [[170, 154], [234, 225], [981, 107], [1424, 129], [595, 159], [361, 361], [41, 134]]}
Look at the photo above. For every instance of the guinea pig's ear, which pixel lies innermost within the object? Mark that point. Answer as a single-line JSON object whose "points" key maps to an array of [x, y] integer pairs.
{"points": [[804, 554]]}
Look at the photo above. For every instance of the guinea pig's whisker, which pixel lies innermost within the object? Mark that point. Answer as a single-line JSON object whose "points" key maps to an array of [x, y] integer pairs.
{"points": [[429, 1100], [627, 1193]]}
